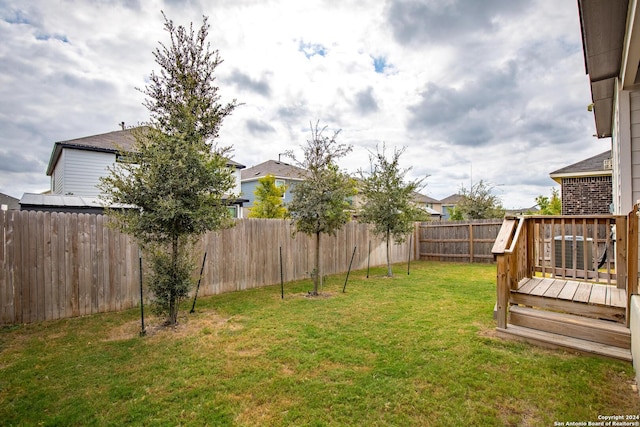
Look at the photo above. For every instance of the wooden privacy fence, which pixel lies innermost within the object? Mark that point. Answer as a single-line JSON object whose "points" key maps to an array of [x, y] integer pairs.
{"points": [[57, 265], [462, 241]]}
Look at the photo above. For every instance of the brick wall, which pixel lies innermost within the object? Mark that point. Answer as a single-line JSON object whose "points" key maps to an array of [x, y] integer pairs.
{"points": [[586, 196]]}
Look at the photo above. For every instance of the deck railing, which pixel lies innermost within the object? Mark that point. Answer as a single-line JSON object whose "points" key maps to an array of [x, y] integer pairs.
{"points": [[600, 248]]}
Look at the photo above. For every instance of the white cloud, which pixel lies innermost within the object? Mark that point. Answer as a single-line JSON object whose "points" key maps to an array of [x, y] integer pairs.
{"points": [[498, 94]]}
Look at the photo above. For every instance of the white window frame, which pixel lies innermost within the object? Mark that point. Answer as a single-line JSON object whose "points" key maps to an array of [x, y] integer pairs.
{"points": [[281, 183]]}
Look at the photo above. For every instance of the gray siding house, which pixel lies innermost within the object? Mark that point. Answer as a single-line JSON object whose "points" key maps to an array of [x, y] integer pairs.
{"points": [[285, 174], [448, 204], [76, 166]]}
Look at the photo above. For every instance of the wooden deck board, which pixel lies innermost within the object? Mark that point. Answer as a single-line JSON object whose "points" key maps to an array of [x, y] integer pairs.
{"points": [[598, 295], [583, 293], [542, 287], [555, 288], [527, 286], [569, 290], [618, 297]]}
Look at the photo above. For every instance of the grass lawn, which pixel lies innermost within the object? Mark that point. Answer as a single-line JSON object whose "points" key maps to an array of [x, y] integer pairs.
{"points": [[411, 350]]}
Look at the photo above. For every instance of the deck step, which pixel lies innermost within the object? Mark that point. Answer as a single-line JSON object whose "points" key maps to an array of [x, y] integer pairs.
{"points": [[595, 330], [595, 311], [557, 341]]}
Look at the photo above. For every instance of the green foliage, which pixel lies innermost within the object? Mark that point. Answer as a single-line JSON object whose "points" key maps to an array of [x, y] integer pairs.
{"points": [[551, 206], [456, 214], [388, 199], [177, 179], [478, 203], [320, 202], [268, 203], [169, 282]]}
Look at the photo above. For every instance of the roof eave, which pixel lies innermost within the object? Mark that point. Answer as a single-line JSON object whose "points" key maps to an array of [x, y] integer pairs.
{"points": [[603, 25], [557, 177]]}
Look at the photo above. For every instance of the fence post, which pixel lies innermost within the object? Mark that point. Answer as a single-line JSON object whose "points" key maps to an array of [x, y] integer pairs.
{"points": [[471, 243]]}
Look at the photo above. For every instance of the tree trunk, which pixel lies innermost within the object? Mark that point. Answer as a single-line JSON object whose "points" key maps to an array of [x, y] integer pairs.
{"points": [[389, 270], [317, 278], [173, 303]]}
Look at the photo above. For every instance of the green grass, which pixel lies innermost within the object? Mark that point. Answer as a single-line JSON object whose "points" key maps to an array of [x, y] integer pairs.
{"points": [[411, 350]]}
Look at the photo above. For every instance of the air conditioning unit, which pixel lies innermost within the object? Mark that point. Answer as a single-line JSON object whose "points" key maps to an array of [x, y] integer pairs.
{"points": [[569, 252]]}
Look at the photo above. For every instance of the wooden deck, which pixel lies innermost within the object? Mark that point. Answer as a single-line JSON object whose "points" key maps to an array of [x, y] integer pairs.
{"points": [[575, 309], [573, 291]]}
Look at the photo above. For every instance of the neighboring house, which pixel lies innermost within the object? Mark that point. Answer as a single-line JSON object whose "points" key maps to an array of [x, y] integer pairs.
{"points": [[7, 202], [285, 174], [586, 186], [428, 204], [76, 166], [448, 203]]}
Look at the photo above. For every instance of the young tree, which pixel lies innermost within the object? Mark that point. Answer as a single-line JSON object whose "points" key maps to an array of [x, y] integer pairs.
{"points": [[177, 178], [551, 206], [268, 202], [320, 202], [388, 199], [478, 203]]}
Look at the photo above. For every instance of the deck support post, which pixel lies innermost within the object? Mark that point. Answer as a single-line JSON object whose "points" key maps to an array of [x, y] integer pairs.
{"points": [[621, 252], [504, 259], [503, 290], [632, 259]]}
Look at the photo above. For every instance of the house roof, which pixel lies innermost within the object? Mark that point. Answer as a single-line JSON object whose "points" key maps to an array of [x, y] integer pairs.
{"points": [[451, 200], [418, 197], [431, 212], [111, 142], [11, 202], [105, 142], [63, 201], [593, 166], [275, 168], [603, 26]]}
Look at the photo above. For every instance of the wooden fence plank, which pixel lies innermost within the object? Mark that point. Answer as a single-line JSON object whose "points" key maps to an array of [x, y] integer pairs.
{"points": [[46, 266], [99, 264], [62, 265], [113, 268], [17, 267], [31, 261], [93, 256], [56, 264], [74, 255], [7, 312]]}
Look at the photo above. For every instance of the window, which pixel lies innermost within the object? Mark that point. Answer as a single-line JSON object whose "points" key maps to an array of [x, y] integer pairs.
{"points": [[281, 183]]}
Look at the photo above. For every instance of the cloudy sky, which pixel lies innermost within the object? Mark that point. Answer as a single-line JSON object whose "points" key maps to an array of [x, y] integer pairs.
{"points": [[493, 90]]}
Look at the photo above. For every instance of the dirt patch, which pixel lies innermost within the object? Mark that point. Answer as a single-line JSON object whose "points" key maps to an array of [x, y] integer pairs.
{"points": [[154, 327], [488, 333], [321, 295], [517, 413]]}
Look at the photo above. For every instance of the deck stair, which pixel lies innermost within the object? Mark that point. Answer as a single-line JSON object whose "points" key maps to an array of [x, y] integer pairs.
{"points": [[570, 315]]}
